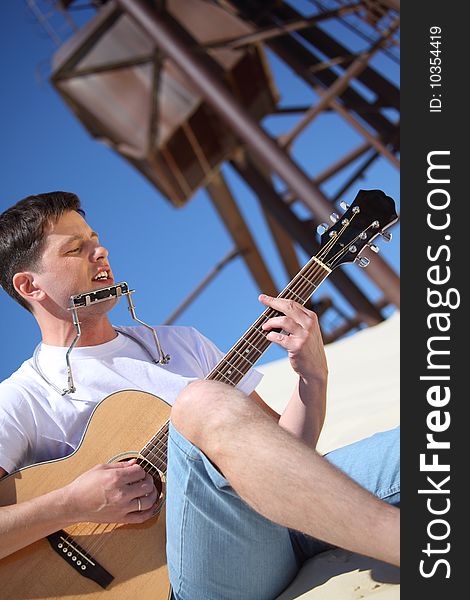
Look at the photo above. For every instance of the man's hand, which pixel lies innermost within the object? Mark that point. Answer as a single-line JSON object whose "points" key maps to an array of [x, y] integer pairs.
{"points": [[300, 335], [113, 493]]}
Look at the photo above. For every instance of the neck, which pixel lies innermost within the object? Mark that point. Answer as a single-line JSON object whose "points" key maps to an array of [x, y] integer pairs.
{"points": [[56, 332]]}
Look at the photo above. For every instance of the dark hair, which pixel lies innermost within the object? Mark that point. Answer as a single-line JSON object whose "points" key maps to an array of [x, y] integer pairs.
{"points": [[22, 229]]}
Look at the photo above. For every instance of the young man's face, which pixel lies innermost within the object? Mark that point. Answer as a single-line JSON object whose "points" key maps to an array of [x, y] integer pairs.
{"points": [[73, 261]]}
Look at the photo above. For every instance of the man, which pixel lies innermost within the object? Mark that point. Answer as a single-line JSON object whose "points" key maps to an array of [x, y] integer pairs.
{"points": [[224, 445]]}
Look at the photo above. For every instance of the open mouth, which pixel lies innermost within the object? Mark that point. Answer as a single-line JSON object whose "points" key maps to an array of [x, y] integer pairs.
{"points": [[103, 276]]}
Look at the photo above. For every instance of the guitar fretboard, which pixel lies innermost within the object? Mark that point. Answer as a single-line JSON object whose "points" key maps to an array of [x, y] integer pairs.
{"points": [[242, 356], [249, 348]]}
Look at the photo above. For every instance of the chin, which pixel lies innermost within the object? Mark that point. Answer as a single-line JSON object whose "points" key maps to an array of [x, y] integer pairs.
{"points": [[97, 310]]}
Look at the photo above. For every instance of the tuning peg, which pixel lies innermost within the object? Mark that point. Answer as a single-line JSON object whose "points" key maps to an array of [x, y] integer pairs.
{"points": [[363, 262], [374, 248], [334, 217], [387, 236], [322, 228], [343, 205]]}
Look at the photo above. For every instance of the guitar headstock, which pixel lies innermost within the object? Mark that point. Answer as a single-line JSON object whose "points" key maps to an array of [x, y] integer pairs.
{"points": [[371, 213]]}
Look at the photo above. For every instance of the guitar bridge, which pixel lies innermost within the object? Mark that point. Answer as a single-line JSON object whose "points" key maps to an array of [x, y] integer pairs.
{"points": [[79, 559]]}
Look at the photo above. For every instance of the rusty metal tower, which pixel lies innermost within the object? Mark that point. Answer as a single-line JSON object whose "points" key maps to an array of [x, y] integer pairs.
{"points": [[181, 87]]}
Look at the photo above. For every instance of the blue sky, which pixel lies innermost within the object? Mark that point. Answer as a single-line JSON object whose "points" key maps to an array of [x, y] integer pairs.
{"points": [[161, 251]]}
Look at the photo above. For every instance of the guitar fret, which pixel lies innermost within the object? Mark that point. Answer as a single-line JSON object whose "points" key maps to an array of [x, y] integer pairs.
{"points": [[222, 375], [243, 357], [297, 296], [231, 366], [254, 347], [308, 281]]}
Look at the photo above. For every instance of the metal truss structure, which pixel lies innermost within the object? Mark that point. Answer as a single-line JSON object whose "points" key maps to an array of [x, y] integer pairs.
{"points": [[192, 88]]}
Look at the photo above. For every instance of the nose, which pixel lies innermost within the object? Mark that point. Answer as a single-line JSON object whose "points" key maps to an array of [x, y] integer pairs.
{"points": [[99, 252]]}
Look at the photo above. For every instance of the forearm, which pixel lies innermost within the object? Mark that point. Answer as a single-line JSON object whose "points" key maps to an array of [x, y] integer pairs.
{"points": [[305, 413], [25, 523]]}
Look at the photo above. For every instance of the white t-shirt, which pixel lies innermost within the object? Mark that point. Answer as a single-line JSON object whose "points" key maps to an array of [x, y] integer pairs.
{"points": [[38, 424]]}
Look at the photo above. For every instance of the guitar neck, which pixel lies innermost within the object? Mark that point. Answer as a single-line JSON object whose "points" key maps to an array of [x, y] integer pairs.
{"points": [[253, 343], [244, 354], [371, 213]]}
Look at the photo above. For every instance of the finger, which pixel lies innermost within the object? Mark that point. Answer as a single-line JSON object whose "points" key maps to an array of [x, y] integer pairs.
{"points": [[287, 325], [141, 488], [124, 464], [144, 502], [131, 474], [290, 308], [115, 465], [280, 339], [140, 517]]}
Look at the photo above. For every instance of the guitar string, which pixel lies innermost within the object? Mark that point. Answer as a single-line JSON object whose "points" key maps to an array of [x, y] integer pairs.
{"points": [[289, 290], [237, 363], [346, 248], [252, 335], [158, 449], [254, 329]]}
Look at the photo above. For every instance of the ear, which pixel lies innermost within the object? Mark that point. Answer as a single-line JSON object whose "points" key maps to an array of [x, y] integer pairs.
{"points": [[24, 284]]}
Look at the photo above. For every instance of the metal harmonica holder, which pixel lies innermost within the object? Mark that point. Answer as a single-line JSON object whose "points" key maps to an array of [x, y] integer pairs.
{"points": [[86, 299]]}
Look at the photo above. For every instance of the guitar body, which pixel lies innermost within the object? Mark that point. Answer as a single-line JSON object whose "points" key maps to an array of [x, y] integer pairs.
{"points": [[134, 555]]}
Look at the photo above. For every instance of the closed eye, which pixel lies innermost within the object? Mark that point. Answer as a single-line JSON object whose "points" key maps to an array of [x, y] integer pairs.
{"points": [[75, 250]]}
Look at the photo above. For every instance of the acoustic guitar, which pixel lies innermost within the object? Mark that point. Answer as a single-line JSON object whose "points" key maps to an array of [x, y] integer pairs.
{"points": [[122, 562]]}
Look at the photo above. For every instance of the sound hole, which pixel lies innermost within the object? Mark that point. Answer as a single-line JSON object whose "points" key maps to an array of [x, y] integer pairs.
{"points": [[157, 480]]}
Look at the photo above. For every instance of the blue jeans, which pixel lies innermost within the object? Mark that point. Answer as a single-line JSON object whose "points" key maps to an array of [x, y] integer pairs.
{"points": [[220, 549]]}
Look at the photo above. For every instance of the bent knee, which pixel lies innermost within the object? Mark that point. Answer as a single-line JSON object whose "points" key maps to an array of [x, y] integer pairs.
{"points": [[204, 406]]}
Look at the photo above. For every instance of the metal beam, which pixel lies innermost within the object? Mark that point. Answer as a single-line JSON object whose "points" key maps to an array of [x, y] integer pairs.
{"points": [[230, 214], [299, 231], [338, 87], [362, 34], [282, 239], [341, 163], [372, 139], [300, 60], [355, 176], [200, 286], [332, 170], [107, 67], [265, 33], [243, 124], [331, 47], [223, 101]]}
